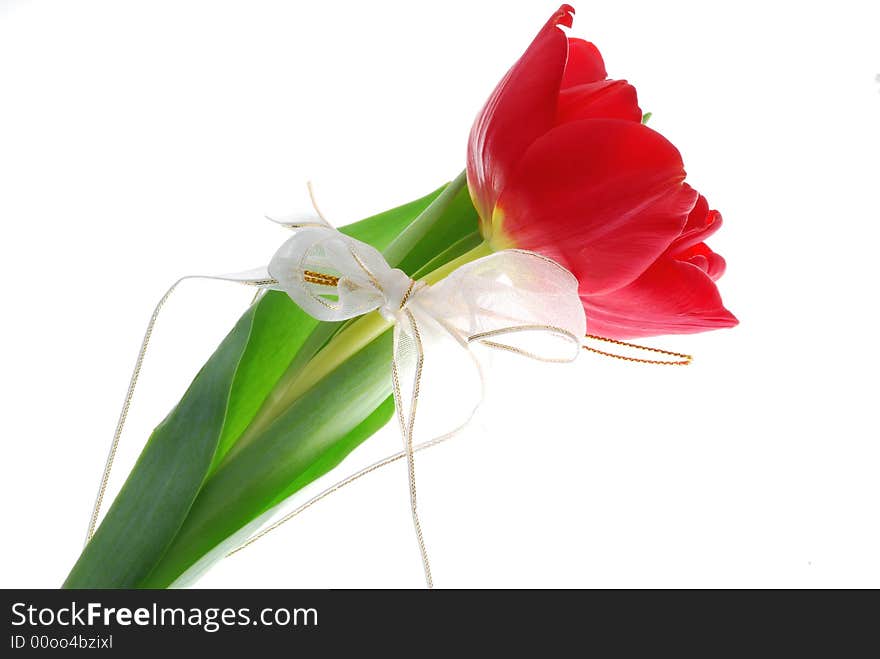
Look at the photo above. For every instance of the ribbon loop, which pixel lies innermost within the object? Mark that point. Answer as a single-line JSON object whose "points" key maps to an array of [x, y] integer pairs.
{"points": [[330, 275], [514, 300]]}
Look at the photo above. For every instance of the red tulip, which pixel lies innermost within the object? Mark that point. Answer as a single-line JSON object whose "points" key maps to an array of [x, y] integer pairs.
{"points": [[559, 162]]}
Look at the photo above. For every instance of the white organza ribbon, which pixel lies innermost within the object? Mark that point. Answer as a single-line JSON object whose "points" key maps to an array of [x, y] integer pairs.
{"points": [[512, 300]]}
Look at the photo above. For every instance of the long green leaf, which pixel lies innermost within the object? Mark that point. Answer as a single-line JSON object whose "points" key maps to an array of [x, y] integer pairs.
{"points": [[155, 500], [310, 438], [410, 244], [279, 330]]}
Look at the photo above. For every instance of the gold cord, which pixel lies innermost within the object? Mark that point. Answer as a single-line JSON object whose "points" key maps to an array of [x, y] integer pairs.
{"points": [[320, 278], [409, 292], [683, 360]]}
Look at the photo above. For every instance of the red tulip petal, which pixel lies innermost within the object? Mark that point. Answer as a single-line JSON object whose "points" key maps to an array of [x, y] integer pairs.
{"points": [[521, 109], [604, 197], [701, 224], [671, 297], [583, 65], [717, 266], [700, 253], [608, 99], [698, 260]]}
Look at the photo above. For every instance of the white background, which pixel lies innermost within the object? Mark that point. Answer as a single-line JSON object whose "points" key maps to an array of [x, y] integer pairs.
{"points": [[143, 140]]}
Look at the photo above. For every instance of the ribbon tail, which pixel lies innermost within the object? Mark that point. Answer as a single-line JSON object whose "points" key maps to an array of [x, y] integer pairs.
{"points": [[408, 359]]}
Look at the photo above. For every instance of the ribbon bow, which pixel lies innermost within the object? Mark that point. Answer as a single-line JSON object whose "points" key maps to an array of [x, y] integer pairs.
{"points": [[511, 300]]}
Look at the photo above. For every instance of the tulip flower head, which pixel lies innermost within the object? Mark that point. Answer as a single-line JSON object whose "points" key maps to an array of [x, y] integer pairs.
{"points": [[559, 162]]}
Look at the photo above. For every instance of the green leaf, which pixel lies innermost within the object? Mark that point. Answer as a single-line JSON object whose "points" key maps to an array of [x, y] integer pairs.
{"points": [[154, 501], [456, 249], [435, 227], [310, 438], [382, 229], [280, 328]]}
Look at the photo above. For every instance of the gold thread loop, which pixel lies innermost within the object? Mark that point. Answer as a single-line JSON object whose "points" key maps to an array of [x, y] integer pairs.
{"points": [[320, 278], [683, 359]]}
